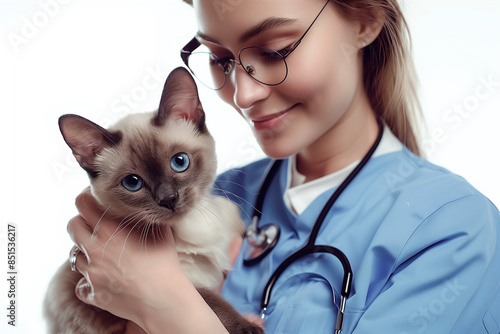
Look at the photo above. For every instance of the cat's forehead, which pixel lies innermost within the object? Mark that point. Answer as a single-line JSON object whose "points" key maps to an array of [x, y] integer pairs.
{"points": [[134, 122], [142, 138]]}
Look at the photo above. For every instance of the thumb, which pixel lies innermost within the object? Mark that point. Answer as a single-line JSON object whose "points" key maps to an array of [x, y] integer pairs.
{"points": [[234, 249], [254, 320]]}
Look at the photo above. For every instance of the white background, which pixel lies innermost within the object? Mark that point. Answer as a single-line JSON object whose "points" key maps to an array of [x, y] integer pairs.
{"points": [[91, 57]]}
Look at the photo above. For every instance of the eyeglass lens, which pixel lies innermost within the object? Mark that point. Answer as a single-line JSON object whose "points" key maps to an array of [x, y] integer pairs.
{"points": [[264, 65]]}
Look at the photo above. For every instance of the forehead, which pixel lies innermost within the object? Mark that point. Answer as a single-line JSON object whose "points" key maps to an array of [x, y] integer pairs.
{"points": [[226, 20]]}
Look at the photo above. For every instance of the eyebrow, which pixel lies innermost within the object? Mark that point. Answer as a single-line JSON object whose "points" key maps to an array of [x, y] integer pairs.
{"points": [[270, 23], [267, 24]]}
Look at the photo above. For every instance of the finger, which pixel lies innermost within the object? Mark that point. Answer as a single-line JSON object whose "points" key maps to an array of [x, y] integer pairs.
{"points": [[254, 319], [88, 208], [84, 291], [82, 263], [234, 249], [163, 234], [160, 232], [87, 293], [80, 232], [79, 229]]}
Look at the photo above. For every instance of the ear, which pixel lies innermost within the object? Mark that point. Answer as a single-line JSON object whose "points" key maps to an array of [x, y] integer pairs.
{"points": [[86, 139], [369, 30], [180, 100]]}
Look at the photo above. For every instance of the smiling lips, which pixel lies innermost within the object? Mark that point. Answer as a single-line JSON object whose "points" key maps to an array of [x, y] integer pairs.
{"points": [[270, 121]]}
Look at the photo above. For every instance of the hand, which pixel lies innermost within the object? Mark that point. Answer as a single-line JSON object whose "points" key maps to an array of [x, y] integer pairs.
{"points": [[123, 273], [234, 250]]}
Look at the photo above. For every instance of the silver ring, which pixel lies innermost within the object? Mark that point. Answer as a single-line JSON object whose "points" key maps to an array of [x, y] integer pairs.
{"points": [[72, 257]]}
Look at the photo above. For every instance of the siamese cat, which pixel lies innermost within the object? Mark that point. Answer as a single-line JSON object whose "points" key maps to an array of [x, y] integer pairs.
{"points": [[154, 168]]}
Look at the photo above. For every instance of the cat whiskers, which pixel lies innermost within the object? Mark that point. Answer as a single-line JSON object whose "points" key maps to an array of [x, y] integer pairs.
{"points": [[151, 230], [128, 220], [128, 235], [235, 183], [203, 211], [157, 227], [93, 236], [134, 220], [240, 199], [210, 215], [145, 234]]}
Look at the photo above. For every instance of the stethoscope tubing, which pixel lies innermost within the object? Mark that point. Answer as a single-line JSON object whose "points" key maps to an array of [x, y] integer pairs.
{"points": [[310, 247], [271, 171], [307, 250]]}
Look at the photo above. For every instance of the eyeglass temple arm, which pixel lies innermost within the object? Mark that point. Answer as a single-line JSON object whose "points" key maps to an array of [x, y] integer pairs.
{"points": [[188, 49], [305, 33]]}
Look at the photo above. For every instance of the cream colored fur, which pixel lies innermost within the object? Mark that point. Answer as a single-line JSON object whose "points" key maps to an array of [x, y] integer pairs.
{"points": [[203, 228]]}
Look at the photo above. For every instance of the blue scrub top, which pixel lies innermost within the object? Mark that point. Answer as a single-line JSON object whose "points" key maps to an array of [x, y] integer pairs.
{"points": [[423, 245]]}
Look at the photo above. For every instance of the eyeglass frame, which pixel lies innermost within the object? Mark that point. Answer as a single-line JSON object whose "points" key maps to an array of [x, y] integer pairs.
{"points": [[194, 43]]}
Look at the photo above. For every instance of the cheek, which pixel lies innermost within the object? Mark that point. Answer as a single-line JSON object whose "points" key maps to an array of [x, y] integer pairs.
{"points": [[328, 83], [129, 202], [227, 95], [326, 64]]}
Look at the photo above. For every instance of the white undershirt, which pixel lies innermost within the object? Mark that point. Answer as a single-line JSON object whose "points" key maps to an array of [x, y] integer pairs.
{"points": [[298, 195]]}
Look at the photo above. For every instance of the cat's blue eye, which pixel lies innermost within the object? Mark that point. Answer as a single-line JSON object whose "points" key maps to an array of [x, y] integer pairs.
{"points": [[132, 182], [179, 162]]}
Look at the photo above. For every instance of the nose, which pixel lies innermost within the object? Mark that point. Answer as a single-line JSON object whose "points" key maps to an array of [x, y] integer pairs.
{"points": [[247, 91], [166, 196]]}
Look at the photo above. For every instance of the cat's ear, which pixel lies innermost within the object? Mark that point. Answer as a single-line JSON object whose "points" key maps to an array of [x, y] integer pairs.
{"points": [[180, 99], [86, 139]]}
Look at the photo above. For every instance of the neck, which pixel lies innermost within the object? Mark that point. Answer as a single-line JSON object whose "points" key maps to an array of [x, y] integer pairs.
{"points": [[346, 142]]}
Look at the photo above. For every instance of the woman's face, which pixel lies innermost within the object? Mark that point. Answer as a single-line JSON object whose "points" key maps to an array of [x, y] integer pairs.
{"points": [[324, 73]]}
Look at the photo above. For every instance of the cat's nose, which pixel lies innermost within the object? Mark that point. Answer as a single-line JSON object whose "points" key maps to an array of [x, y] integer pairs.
{"points": [[168, 201], [166, 196]]}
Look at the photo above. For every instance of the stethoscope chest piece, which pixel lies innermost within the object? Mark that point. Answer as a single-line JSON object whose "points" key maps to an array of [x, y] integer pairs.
{"points": [[259, 241]]}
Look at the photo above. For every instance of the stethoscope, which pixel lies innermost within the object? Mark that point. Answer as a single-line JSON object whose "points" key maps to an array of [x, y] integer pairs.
{"points": [[259, 241]]}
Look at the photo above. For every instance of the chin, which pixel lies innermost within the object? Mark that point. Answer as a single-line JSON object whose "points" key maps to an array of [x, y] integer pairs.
{"points": [[277, 150], [282, 142]]}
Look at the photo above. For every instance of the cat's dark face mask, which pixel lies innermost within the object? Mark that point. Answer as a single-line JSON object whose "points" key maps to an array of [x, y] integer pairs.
{"points": [[153, 165]]}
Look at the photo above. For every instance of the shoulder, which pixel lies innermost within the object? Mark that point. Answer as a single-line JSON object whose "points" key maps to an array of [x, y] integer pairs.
{"points": [[411, 177], [437, 205], [430, 230], [416, 205]]}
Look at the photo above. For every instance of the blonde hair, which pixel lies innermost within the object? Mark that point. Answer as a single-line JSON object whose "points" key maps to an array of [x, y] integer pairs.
{"points": [[389, 74]]}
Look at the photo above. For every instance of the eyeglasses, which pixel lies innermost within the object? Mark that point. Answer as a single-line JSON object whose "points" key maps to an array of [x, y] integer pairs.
{"points": [[264, 65]]}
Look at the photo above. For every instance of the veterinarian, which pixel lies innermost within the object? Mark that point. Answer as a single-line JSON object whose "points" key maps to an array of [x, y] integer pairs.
{"points": [[328, 90]]}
